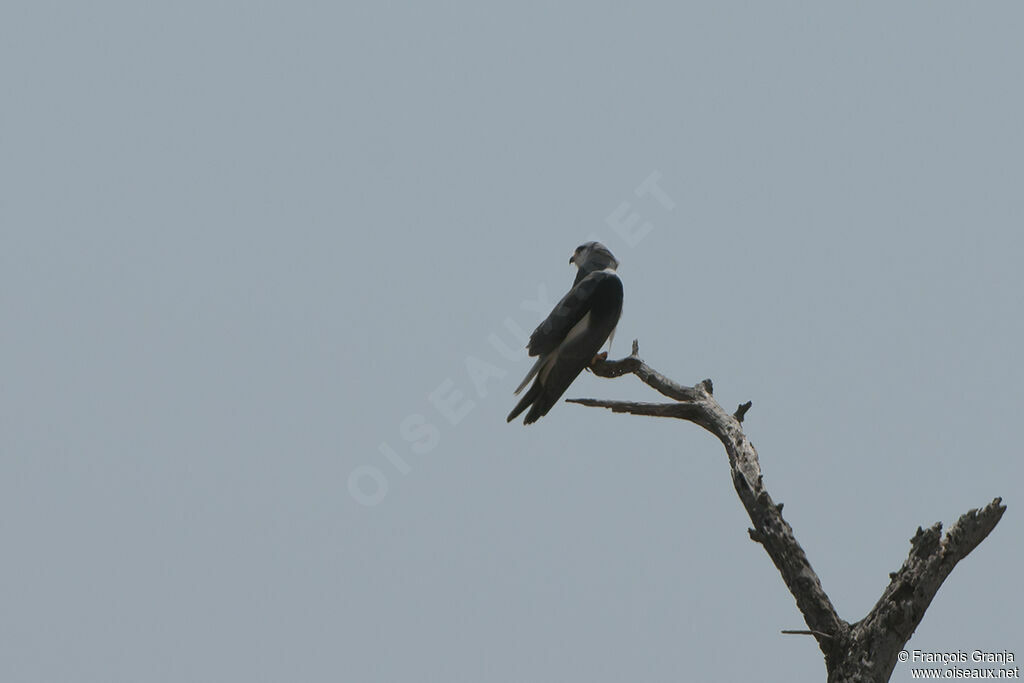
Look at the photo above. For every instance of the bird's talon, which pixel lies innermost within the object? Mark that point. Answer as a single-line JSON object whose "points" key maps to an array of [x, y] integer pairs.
{"points": [[603, 356]]}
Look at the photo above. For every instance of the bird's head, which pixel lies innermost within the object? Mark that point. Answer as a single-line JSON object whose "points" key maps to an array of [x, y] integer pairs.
{"points": [[593, 256]]}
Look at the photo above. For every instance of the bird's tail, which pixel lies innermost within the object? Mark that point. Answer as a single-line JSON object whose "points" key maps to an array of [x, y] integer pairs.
{"points": [[525, 401]]}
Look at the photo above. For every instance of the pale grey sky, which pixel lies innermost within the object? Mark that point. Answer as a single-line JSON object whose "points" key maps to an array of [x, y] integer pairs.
{"points": [[244, 243]]}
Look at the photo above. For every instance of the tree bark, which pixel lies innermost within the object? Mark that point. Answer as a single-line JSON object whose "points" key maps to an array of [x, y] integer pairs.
{"points": [[865, 650]]}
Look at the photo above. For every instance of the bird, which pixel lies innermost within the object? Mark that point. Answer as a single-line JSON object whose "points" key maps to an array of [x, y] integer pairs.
{"points": [[571, 336]]}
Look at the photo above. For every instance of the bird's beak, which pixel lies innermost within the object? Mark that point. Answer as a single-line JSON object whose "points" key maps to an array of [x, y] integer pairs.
{"points": [[572, 258]]}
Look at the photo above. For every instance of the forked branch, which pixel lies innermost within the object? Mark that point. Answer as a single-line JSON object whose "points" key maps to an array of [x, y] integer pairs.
{"points": [[865, 650]]}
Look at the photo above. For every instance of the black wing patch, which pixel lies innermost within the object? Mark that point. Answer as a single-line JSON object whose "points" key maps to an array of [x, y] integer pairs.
{"points": [[567, 312]]}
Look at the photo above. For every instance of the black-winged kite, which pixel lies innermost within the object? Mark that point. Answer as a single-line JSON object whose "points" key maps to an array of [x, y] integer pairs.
{"points": [[567, 341]]}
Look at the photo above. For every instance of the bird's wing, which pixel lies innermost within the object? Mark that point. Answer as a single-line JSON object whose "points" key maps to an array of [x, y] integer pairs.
{"points": [[566, 313], [577, 350]]}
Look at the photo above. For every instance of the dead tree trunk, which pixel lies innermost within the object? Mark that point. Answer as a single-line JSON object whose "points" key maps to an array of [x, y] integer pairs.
{"points": [[866, 650]]}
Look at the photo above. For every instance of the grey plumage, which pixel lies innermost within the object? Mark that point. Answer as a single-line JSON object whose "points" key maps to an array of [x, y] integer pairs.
{"points": [[572, 334]]}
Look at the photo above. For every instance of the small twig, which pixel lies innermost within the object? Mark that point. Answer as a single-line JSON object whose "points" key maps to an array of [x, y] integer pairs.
{"points": [[742, 410], [805, 633]]}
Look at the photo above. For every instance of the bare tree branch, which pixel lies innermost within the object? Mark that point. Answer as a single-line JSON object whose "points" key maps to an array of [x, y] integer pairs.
{"points": [[893, 619], [632, 364], [866, 650]]}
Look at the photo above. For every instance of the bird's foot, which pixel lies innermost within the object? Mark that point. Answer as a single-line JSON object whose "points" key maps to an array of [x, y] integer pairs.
{"points": [[601, 357]]}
